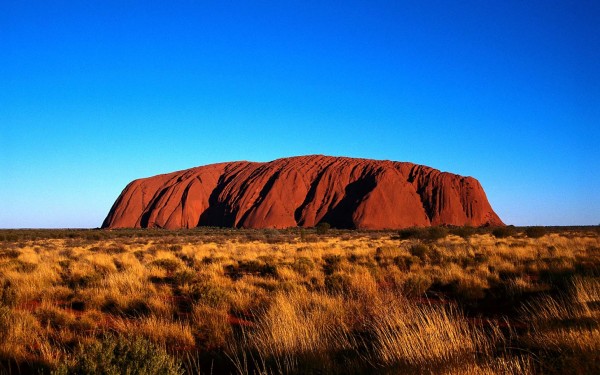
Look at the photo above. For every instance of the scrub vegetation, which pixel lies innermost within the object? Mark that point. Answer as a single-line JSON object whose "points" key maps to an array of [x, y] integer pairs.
{"points": [[301, 301]]}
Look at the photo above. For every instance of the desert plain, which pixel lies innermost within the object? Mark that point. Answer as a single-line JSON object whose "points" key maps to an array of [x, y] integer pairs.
{"points": [[441, 300]]}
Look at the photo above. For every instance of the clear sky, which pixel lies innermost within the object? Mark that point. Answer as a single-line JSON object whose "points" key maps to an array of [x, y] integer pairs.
{"points": [[94, 94]]}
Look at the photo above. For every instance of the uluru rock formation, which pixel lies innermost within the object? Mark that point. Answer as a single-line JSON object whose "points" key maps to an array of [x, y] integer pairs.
{"points": [[303, 191]]}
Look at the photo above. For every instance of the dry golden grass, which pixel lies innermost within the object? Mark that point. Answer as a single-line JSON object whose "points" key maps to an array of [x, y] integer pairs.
{"points": [[293, 301], [425, 335]]}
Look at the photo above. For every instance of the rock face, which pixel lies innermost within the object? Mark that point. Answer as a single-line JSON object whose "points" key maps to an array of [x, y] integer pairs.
{"points": [[303, 191]]}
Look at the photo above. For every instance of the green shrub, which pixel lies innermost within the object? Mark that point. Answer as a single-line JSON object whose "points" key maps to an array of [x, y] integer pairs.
{"points": [[464, 232], [503, 232], [273, 236], [535, 232], [428, 234], [409, 233], [436, 233], [302, 234], [121, 355], [209, 294], [323, 228]]}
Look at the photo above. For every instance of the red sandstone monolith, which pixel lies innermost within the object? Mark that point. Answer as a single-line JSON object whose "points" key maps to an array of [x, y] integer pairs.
{"points": [[303, 191]]}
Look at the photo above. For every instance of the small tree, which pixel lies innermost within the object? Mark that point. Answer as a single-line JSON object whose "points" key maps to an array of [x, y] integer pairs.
{"points": [[323, 228]]}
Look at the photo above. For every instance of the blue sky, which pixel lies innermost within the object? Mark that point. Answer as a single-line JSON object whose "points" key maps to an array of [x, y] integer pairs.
{"points": [[96, 94]]}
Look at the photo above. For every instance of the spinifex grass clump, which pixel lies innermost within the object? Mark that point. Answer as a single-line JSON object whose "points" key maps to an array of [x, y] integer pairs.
{"points": [[566, 328], [297, 332], [441, 300], [426, 336]]}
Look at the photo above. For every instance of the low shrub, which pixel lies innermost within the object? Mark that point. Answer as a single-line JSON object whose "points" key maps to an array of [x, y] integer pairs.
{"points": [[208, 294], [409, 233], [463, 232], [121, 355], [535, 232], [323, 228], [426, 234], [436, 233], [503, 232]]}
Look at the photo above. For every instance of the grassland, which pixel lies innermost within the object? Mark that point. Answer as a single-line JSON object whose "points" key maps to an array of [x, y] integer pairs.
{"points": [[447, 301]]}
